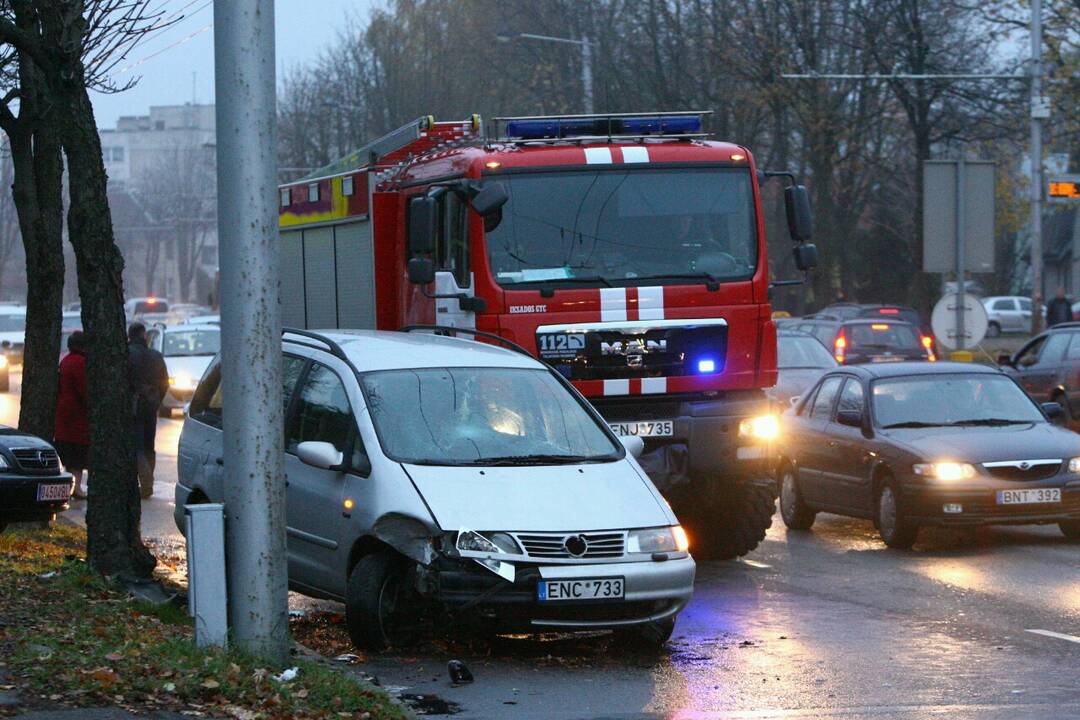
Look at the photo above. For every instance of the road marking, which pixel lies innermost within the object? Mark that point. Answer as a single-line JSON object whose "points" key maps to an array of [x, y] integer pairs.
{"points": [[754, 563], [1052, 634]]}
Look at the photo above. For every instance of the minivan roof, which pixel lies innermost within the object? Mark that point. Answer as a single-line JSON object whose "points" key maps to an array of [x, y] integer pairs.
{"points": [[370, 350]]}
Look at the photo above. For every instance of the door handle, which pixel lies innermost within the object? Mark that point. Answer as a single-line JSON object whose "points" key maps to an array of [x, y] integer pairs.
{"points": [[220, 461]]}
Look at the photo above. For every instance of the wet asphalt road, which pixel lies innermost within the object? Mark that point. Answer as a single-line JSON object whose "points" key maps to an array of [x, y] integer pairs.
{"points": [[819, 624]]}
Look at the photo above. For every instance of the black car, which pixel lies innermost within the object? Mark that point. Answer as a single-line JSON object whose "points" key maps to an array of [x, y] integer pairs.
{"points": [[801, 359], [33, 484], [916, 444], [864, 340]]}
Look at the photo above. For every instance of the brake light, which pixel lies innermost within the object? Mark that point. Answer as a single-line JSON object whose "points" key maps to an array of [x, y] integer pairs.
{"points": [[879, 326], [927, 342], [840, 347], [889, 311], [928, 345]]}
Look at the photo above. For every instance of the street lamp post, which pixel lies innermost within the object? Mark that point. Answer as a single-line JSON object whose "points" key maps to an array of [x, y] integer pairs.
{"points": [[586, 59]]}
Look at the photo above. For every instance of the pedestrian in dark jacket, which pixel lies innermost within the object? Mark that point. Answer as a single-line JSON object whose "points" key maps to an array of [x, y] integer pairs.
{"points": [[71, 434], [1059, 310], [149, 381]]}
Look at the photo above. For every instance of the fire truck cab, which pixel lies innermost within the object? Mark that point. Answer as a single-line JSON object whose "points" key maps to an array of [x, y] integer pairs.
{"points": [[626, 251]]}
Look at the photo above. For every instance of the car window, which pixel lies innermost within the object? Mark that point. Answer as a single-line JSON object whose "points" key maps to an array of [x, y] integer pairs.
{"points": [[889, 336], [187, 343], [1003, 305], [322, 413], [1054, 350], [1030, 354], [825, 396], [851, 398], [1025, 304], [825, 333], [291, 369], [951, 398], [1073, 353], [801, 351], [206, 402]]}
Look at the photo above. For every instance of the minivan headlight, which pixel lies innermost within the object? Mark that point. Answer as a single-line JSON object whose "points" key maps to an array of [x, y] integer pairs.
{"points": [[948, 471], [661, 539]]}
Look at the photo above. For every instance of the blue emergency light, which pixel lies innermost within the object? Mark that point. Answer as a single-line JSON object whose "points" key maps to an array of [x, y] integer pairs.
{"points": [[554, 128], [706, 366]]}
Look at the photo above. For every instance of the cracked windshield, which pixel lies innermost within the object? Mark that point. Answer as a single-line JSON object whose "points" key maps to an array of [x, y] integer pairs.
{"points": [[618, 227]]}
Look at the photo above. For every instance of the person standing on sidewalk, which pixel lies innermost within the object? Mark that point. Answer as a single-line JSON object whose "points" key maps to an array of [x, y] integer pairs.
{"points": [[71, 434], [149, 382]]}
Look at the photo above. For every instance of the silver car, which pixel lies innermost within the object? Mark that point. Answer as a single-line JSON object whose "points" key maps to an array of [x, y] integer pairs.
{"points": [[1007, 314], [432, 473]]}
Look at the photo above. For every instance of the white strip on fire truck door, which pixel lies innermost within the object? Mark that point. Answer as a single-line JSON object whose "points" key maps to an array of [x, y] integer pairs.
{"points": [[598, 156], [616, 387], [650, 303], [653, 385], [635, 155], [612, 304]]}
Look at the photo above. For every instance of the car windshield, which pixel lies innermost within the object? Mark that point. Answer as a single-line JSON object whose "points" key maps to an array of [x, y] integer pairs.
{"points": [[191, 342], [12, 323], [618, 226], [71, 322], [953, 399], [482, 416], [885, 336], [143, 307], [802, 352]]}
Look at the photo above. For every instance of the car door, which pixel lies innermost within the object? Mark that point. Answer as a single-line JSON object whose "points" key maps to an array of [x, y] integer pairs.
{"points": [[1025, 314], [1069, 373], [1008, 314], [846, 484], [813, 455], [321, 412], [1040, 363]]}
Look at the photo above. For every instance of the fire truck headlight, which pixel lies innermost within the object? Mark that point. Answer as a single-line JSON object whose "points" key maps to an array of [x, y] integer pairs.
{"points": [[762, 427]]}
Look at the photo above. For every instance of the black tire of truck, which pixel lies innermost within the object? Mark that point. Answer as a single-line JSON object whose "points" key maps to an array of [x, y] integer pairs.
{"points": [[730, 523], [648, 637]]}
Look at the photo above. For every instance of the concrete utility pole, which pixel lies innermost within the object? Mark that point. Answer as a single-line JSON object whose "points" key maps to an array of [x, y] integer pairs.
{"points": [[251, 326], [961, 241], [1039, 111], [586, 60]]}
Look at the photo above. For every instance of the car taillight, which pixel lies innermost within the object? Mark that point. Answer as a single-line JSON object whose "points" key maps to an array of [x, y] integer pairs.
{"points": [[928, 345], [840, 347]]}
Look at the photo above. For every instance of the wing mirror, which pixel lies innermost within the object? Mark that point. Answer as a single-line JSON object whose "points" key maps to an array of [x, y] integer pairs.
{"points": [[1054, 412], [851, 418], [806, 256], [634, 445], [799, 218], [422, 224], [491, 197], [421, 271], [320, 455]]}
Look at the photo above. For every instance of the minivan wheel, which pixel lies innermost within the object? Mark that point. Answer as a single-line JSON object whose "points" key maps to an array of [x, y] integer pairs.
{"points": [[993, 330], [1070, 529], [647, 636], [897, 532], [381, 610], [793, 510]]}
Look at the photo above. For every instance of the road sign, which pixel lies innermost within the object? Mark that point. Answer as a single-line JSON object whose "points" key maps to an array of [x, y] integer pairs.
{"points": [[1063, 188], [940, 216], [943, 320]]}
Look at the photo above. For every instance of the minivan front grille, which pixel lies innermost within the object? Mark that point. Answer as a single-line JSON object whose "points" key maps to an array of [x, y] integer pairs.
{"points": [[554, 545], [36, 458]]}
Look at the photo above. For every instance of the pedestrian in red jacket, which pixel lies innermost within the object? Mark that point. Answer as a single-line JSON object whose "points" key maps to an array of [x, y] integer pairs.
{"points": [[72, 433]]}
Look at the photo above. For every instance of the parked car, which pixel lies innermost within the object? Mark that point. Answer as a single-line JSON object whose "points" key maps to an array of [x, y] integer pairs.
{"points": [[204, 320], [33, 485], [188, 350], [12, 333], [1048, 368], [913, 444], [1007, 314], [863, 340], [449, 473], [182, 313], [801, 359], [137, 308]]}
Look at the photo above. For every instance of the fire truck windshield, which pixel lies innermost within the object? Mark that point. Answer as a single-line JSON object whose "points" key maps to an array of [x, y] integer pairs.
{"points": [[624, 226]]}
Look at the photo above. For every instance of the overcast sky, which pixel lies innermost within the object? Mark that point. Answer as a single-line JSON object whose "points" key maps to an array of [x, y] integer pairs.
{"points": [[177, 64]]}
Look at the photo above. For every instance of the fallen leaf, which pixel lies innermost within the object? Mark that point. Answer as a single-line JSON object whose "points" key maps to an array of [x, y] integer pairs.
{"points": [[114, 656], [169, 687], [211, 684], [105, 676]]}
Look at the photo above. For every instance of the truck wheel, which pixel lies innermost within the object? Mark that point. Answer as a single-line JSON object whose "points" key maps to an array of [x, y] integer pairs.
{"points": [[648, 636], [1070, 529], [794, 512], [733, 523], [897, 532], [380, 609]]}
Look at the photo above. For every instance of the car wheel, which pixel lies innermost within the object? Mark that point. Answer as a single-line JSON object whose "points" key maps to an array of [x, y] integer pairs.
{"points": [[793, 510], [993, 330], [647, 636], [895, 529], [729, 523], [380, 609], [1070, 529], [165, 412]]}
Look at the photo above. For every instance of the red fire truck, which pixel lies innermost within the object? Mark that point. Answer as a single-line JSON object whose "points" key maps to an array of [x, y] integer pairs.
{"points": [[627, 251]]}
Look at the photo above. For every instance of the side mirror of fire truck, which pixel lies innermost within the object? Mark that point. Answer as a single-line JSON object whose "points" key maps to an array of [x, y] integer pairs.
{"points": [[422, 223], [421, 271], [805, 256], [799, 219], [490, 198]]}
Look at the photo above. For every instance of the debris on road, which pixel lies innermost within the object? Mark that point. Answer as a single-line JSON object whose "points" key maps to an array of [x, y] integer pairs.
{"points": [[459, 673]]}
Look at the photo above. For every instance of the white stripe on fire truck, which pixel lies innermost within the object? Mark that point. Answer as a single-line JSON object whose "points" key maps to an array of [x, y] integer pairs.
{"points": [[616, 387], [653, 385], [635, 154], [650, 303], [612, 304], [598, 156]]}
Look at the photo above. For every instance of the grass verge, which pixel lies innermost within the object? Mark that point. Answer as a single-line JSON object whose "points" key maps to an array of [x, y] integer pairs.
{"points": [[69, 638]]}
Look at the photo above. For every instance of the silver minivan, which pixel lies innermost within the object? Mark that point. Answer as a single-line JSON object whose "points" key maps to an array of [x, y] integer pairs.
{"points": [[429, 474]]}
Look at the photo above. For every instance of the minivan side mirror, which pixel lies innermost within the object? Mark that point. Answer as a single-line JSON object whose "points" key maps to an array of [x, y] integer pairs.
{"points": [[421, 271], [634, 445], [491, 197], [800, 220], [805, 256], [422, 223], [320, 455]]}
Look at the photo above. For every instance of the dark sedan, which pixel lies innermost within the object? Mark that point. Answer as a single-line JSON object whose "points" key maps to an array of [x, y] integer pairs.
{"points": [[913, 444], [33, 484]]}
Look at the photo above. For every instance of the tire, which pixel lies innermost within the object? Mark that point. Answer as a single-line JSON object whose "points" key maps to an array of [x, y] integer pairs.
{"points": [[648, 636], [793, 511], [1070, 529], [895, 530], [165, 412], [731, 523], [993, 330], [376, 585]]}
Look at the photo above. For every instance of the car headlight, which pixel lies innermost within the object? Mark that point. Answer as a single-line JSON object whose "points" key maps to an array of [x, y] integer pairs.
{"points": [[948, 471], [182, 381], [762, 427], [4, 462], [1074, 465], [662, 539], [499, 542], [3, 361]]}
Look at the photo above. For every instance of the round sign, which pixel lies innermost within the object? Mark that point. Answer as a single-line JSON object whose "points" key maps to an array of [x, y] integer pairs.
{"points": [[943, 320]]}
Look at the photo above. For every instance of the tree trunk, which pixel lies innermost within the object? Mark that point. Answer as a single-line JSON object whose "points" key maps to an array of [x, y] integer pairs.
{"points": [[114, 545]]}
